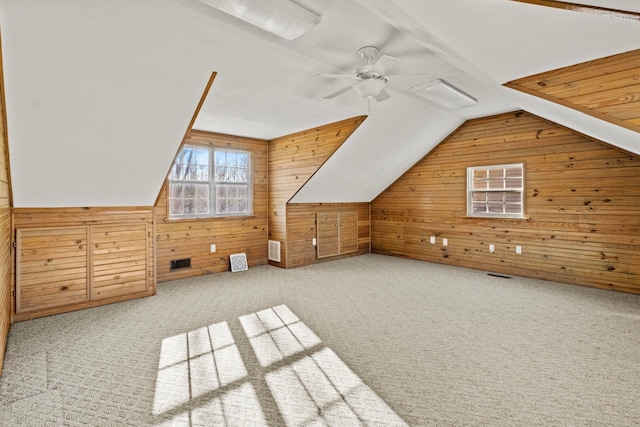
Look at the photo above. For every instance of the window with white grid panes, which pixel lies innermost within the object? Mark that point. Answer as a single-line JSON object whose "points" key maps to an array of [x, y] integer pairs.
{"points": [[210, 182], [496, 191]]}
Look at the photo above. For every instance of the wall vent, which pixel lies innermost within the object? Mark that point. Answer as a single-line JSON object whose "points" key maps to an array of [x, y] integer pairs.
{"points": [[177, 264], [274, 251]]}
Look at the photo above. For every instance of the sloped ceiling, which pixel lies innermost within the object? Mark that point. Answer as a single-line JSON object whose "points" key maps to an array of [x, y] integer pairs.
{"points": [[100, 93]]}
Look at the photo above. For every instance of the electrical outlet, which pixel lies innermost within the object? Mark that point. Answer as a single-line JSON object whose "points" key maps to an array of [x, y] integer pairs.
{"points": [[432, 240], [213, 248], [445, 242], [518, 249], [492, 248], [313, 241]]}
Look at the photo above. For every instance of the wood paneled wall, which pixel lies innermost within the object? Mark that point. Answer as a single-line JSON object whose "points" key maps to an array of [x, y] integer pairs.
{"points": [[302, 228], [192, 238], [74, 258], [6, 277], [607, 88], [293, 159], [582, 202]]}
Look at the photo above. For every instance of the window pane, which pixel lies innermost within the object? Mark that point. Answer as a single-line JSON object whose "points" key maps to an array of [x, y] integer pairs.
{"points": [[202, 192], [480, 184], [231, 159], [479, 207], [513, 183], [496, 173], [221, 158], [479, 174], [495, 196], [232, 205], [202, 173], [243, 160], [495, 207], [189, 206], [496, 184], [229, 175], [221, 205], [232, 192], [512, 197], [513, 172], [242, 175], [242, 205], [513, 208], [175, 191], [202, 157], [175, 207], [202, 206], [221, 172]]}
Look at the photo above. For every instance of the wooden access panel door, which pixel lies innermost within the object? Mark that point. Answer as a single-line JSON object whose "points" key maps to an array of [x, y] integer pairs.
{"points": [[119, 260], [51, 267], [337, 233], [328, 243], [348, 223]]}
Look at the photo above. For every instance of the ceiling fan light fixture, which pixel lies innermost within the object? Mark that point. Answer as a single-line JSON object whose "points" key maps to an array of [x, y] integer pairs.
{"points": [[442, 93], [280, 17], [369, 87]]}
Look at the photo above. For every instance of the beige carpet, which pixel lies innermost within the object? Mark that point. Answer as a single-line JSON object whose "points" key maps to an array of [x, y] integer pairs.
{"points": [[370, 340]]}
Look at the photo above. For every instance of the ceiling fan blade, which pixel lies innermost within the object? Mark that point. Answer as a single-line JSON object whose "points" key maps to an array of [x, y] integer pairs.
{"points": [[340, 92], [382, 96], [334, 76], [384, 63]]}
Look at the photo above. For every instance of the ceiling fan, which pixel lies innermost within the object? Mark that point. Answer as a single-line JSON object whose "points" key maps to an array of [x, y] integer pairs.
{"points": [[370, 77]]}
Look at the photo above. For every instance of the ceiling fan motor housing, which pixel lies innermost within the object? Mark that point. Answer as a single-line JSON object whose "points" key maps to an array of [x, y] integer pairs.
{"points": [[368, 53]]}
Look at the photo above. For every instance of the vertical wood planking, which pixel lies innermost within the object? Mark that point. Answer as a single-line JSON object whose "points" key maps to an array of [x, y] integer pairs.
{"points": [[607, 88], [192, 238], [293, 159], [582, 202], [6, 256]]}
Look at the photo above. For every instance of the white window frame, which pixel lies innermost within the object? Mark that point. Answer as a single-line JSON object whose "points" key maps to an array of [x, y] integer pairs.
{"points": [[496, 191], [213, 183]]}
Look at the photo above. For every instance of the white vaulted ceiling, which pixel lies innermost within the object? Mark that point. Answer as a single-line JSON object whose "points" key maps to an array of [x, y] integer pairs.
{"points": [[100, 93]]}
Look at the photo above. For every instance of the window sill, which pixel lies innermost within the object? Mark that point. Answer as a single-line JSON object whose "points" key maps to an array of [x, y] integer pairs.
{"points": [[210, 218], [507, 218]]}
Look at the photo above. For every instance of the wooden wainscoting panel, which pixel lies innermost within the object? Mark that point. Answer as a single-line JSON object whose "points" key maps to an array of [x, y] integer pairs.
{"points": [[328, 235], [607, 88], [119, 260], [51, 267], [348, 225], [582, 206]]}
